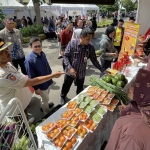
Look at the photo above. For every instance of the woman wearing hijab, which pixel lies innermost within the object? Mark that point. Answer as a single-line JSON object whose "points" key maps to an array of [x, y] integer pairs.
{"points": [[132, 130], [109, 52]]}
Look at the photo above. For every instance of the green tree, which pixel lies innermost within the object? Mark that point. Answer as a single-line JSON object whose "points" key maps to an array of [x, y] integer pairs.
{"points": [[109, 8], [2, 15], [129, 5]]}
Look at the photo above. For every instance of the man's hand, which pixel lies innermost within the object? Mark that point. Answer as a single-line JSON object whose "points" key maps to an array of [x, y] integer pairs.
{"points": [[38, 91], [72, 72], [62, 53], [122, 106], [58, 74]]}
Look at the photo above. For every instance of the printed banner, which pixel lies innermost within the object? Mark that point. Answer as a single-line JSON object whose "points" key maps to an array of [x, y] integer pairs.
{"points": [[129, 38]]}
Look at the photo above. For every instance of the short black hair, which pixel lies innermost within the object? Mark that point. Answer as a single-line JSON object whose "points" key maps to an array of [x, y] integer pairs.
{"points": [[86, 31], [121, 20], [34, 39], [132, 18], [69, 21]]}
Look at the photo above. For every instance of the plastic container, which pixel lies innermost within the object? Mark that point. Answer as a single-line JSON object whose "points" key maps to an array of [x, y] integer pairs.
{"points": [[94, 103], [73, 119], [48, 128], [80, 116], [77, 113], [61, 123], [70, 105], [72, 134], [69, 114], [52, 132], [95, 115], [88, 109]]}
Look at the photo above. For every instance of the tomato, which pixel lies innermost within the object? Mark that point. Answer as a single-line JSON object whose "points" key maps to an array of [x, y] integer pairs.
{"points": [[84, 131], [56, 142], [62, 138], [91, 122], [80, 127], [65, 132], [69, 134], [56, 131], [65, 148], [73, 140], [60, 144], [45, 128], [52, 135], [79, 131], [72, 130], [68, 145], [82, 135]]}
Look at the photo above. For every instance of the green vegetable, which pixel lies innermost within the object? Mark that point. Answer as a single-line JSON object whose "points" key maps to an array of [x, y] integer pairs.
{"points": [[114, 81], [121, 77], [119, 93], [108, 79], [120, 84]]}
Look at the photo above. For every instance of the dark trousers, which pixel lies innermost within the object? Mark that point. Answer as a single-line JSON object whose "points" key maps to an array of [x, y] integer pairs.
{"points": [[105, 64], [118, 49], [20, 62], [67, 84]]}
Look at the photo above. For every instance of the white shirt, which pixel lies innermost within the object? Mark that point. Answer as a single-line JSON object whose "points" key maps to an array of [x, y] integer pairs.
{"points": [[76, 34], [12, 85], [45, 29]]}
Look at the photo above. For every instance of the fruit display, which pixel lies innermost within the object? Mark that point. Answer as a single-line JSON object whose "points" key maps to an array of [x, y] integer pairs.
{"points": [[70, 143], [72, 105], [92, 88], [122, 62], [119, 93], [90, 125], [69, 132], [100, 110], [118, 80], [82, 104], [80, 98], [60, 140], [67, 114], [74, 120], [61, 123], [53, 133], [88, 109], [106, 101], [93, 103], [111, 107], [104, 94], [96, 117], [77, 111], [46, 128], [81, 131], [90, 93], [95, 95], [87, 99], [114, 101], [83, 116]]}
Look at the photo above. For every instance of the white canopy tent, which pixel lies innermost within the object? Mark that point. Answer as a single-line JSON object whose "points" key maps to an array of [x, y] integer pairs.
{"points": [[82, 8], [13, 8], [142, 19], [45, 10]]}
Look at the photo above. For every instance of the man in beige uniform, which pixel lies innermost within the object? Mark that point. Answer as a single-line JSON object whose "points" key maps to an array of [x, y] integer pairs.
{"points": [[13, 83], [9, 34]]}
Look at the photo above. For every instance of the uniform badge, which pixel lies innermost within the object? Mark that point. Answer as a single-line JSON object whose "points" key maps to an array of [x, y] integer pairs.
{"points": [[11, 77]]}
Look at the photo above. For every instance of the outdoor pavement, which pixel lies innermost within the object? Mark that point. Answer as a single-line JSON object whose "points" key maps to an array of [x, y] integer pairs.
{"points": [[51, 50]]}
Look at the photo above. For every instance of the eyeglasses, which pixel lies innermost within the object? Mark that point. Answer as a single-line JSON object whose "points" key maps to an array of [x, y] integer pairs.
{"points": [[37, 46]]}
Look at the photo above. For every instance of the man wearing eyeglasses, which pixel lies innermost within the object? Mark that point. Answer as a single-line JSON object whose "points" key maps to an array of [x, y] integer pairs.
{"points": [[9, 34], [37, 65], [15, 84]]}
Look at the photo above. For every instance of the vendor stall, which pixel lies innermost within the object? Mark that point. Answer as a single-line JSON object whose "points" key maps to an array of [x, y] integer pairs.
{"points": [[90, 115]]}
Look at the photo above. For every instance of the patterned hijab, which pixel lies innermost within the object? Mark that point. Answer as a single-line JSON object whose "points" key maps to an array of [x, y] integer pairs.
{"points": [[141, 96]]}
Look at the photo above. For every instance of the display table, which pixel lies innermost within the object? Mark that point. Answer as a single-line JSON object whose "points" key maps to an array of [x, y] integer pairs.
{"points": [[92, 141]]}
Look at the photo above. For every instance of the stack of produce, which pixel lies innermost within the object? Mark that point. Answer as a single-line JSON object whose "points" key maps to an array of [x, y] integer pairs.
{"points": [[118, 80], [119, 93], [81, 118], [122, 62]]}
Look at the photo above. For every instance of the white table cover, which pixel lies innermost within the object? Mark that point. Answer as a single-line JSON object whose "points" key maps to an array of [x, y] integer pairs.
{"points": [[92, 141]]}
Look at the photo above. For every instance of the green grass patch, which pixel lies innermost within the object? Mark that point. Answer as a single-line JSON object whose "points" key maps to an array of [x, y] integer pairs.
{"points": [[105, 22]]}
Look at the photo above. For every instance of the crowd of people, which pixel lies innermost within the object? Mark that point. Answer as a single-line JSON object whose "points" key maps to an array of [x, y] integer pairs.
{"points": [[74, 43]]}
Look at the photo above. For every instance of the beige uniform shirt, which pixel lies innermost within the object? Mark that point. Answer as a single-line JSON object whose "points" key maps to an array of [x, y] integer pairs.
{"points": [[12, 85]]}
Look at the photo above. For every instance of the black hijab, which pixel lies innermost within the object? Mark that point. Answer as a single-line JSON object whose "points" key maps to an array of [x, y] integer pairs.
{"points": [[109, 30]]}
